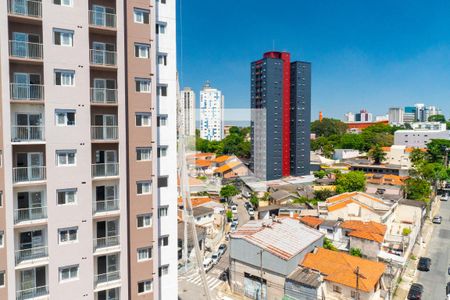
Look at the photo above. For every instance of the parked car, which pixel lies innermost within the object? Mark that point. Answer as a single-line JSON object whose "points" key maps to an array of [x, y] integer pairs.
{"points": [[424, 264], [236, 221], [448, 271], [234, 209], [251, 211], [222, 249], [437, 220], [415, 292], [233, 227], [444, 197], [215, 257], [447, 289], [224, 275], [207, 264]]}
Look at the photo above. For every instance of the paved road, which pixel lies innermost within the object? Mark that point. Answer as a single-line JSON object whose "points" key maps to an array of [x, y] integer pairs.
{"points": [[243, 215], [438, 249]]}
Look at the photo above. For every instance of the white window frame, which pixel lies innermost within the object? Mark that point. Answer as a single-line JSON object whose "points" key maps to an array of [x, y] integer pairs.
{"points": [[143, 82], [163, 119], [163, 150], [67, 234], [63, 3], [65, 112], [139, 13], [62, 33], [3, 275], [164, 209], [160, 26], [2, 239], [148, 254], [147, 286], [162, 239], [142, 184], [160, 88], [69, 74], [163, 270], [66, 198], [147, 221], [145, 152], [66, 153], [144, 116], [139, 48], [70, 269], [162, 59]]}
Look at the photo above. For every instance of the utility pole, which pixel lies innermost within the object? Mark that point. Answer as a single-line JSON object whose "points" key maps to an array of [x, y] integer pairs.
{"points": [[261, 273], [357, 283]]}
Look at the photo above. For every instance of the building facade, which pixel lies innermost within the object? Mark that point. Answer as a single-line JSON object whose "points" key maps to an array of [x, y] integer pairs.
{"points": [[396, 115], [88, 141], [211, 113], [419, 138], [187, 111], [280, 116]]}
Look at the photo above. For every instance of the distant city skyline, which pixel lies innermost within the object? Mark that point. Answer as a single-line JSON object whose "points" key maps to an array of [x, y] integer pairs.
{"points": [[365, 61]]}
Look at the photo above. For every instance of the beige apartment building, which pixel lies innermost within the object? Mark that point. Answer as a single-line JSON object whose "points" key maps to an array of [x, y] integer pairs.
{"points": [[88, 149]]}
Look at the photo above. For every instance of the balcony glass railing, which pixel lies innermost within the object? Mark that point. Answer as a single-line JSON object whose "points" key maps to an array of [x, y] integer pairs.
{"points": [[30, 214], [103, 57], [23, 91], [103, 96], [105, 205], [27, 8], [101, 19], [27, 133], [31, 254], [28, 50], [32, 293], [105, 170], [106, 242], [29, 174], [107, 277], [104, 132]]}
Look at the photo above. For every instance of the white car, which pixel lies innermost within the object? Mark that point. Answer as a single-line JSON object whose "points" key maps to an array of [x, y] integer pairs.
{"points": [[233, 227], [234, 209], [444, 197], [251, 211], [215, 257], [207, 264]]}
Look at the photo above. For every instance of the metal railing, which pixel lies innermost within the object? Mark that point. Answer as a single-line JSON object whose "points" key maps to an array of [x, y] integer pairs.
{"points": [[30, 214], [105, 170], [103, 57], [23, 91], [27, 133], [105, 205], [28, 8], [104, 242], [106, 277], [103, 96], [28, 174], [31, 253], [101, 19], [23, 49], [104, 132], [32, 293]]}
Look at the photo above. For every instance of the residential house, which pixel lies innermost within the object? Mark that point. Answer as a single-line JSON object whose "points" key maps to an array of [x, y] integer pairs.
{"points": [[201, 235], [204, 216], [313, 222], [282, 197], [231, 169], [271, 248]]}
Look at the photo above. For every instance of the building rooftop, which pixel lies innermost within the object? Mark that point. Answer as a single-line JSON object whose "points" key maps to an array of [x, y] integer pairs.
{"points": [[202, 211], [305, 277], [221, 159], [372, 227], [367, 236], [227, 167], [311, 221], [341, 268], [364, 200], [280, 195], [283, 237]]}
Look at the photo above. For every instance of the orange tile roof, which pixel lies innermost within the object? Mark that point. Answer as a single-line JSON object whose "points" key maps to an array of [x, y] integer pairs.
{"points": [[340, 197], [372, 227], [311, 221], [221, 158], [197, 155], [386, 149], [341, 268], [410, 149], [196, 201], [227, 167], [367, 236], [342, 204], [203, 163]]}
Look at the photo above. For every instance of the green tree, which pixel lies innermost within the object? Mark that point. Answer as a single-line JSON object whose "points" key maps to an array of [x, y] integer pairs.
{"points": [[352, 141], [355, 252], [350, 182], [229, 215], [437, 150], [417, 189], [228, 191], [378, 134], [437, 118], [322, 195], [327, 244], [254, 200], [377, 154], [328, 127], [320, 174], [406, 231], [417, 157]]}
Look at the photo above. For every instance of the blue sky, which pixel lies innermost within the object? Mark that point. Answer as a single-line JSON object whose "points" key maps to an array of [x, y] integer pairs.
{"points": [[364, 54]]}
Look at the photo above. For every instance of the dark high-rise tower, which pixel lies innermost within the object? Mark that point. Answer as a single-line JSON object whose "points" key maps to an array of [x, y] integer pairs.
{"points": [[281, 114]]}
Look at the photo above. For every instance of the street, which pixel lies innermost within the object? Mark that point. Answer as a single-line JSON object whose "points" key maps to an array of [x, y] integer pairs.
{"points": [[435, 281]]}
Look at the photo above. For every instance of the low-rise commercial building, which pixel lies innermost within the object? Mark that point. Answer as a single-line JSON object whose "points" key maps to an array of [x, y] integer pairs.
{"points": [[419, 138]]}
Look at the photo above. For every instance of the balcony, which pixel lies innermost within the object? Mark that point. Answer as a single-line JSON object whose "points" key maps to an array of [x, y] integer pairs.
{"points": [[25, 8], [106, 242], [27, 133], [105, 170], [25, 50], [102, 19], [29, 174], [23, 91], [103, 96], [103, 132], [32, 293], [103, 58], [31, 254], [101, 206], [30, 214], [106, 277]]}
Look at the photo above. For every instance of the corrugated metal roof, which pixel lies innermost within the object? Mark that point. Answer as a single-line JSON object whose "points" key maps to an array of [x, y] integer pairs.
{"points": [[284, 238]]}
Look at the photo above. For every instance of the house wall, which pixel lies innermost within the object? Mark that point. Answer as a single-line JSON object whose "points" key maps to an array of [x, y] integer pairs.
{"points": [[346, 292], [354, 212], [369, 249]]}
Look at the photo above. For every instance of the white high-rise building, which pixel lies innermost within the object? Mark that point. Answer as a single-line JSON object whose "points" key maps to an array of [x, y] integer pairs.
{"points": [[349, 117], [211, 113], [396, 115], [187, 111]]}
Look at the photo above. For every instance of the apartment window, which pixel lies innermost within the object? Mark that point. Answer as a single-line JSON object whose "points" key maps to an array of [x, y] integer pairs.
{"points": [[68, 273], [163, 270], [161, 28], [2, 239], [162, 151], [63, 2], [66, 197], [163, 181], [144, 253], [163, 1], [143, 154], [141, 50], [68, 235], [354, 295], [163, 211], [145, 286], [164, 241], [143, 119], [337, 289], [143, 85], [144, 187], [162, 59], [65, 117], [2, 278], [162, 120], [65, 158], [141, 16], [63, 37], [161, 90], [144, 221], [64, 77]]}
